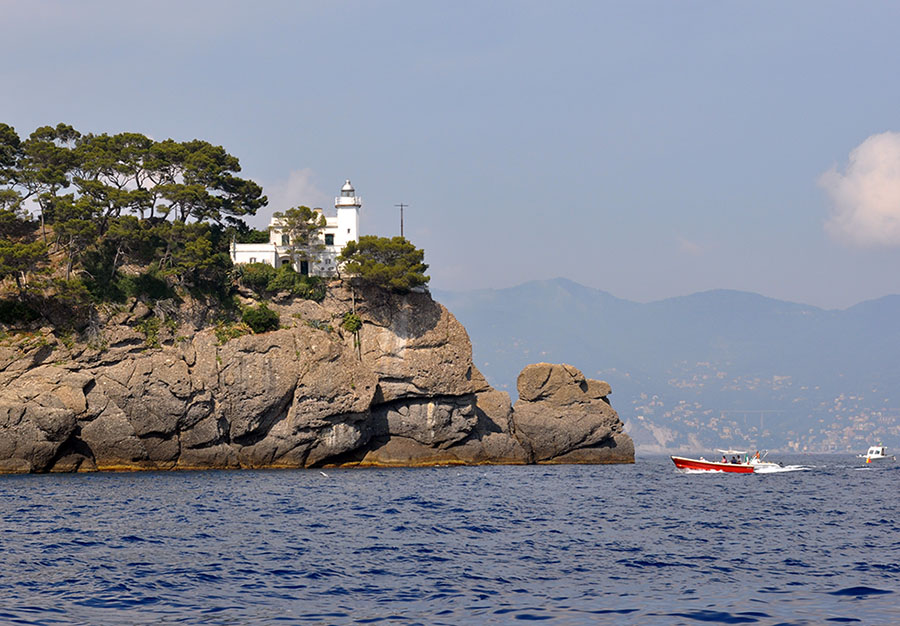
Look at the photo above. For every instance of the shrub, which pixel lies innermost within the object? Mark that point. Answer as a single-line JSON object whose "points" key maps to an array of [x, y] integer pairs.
{"points": [[67, 305], [283, 279], [311, 288], [261, 319], [150, 284], [306, 287], [351, 322], [119, 287], [320, 325], [226, 331], [255, 276], [150, 329], [14, 312]]}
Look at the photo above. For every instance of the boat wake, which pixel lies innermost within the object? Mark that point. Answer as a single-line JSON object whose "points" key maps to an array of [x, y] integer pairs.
{"points": [[780, 470], [758, 470]]}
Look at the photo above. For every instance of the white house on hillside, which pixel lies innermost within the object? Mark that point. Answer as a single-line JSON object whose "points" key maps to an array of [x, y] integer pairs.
{"points": [[339, 230]]}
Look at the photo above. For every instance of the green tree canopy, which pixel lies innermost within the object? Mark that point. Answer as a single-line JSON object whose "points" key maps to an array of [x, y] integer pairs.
{"points": [[45, 165], [302, 226], [128, 173], [165, 208], [19, 260], [393, 263], [20, 256], [192, 180], [10, 152]]}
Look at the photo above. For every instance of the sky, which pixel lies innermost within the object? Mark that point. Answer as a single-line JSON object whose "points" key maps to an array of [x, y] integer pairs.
{"points": [[647, 148]]}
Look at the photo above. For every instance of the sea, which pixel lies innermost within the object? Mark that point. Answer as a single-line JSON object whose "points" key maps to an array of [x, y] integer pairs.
{"points": [[816, 543]]}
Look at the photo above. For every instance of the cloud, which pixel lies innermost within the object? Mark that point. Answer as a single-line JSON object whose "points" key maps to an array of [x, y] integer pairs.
{"points": [[686, 246], [865, 197], [298, 189]]}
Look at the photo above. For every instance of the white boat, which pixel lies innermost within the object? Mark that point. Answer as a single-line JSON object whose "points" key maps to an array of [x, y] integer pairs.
{"points": [[877, 453]]}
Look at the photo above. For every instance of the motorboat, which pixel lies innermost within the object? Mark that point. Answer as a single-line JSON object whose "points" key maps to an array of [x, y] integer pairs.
{"points": [[877, 453], [740, 462]]}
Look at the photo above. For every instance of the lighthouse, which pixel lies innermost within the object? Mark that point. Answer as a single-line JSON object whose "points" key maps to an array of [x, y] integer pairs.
{"points": [[347, 205], [320, 260]]}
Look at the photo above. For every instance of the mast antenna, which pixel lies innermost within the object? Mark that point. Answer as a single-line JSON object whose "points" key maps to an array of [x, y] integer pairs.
{"points": [[402, 206]]}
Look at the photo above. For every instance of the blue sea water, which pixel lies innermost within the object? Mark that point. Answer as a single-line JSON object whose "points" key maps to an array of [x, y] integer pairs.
{"points": [[622, 544]]}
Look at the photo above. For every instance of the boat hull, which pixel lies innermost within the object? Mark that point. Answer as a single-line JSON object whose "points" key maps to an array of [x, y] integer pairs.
{"points": [[876, 454], [711, 466]]}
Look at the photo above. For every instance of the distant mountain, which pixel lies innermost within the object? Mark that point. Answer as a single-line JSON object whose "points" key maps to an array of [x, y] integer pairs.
{"points": [[714, 368]]}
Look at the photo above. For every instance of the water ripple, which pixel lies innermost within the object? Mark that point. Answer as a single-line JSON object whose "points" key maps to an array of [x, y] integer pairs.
{"points": [[561, 544]]}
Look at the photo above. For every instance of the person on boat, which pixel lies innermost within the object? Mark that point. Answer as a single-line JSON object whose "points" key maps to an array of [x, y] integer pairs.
{"points": [[734, 460], [724, 460]]}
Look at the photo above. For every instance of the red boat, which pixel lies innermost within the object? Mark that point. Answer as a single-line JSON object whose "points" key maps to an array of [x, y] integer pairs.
{"points": [[741, 463]]}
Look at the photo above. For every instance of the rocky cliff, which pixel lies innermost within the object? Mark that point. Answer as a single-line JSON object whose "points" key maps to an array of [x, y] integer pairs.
{"points": [[162, 388]]}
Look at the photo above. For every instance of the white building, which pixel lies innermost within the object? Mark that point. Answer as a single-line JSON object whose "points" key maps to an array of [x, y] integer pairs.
{"points": [[339, 230]]}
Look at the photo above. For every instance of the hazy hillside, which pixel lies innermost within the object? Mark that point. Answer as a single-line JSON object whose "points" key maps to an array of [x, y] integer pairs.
{"points": [[714, 368]]}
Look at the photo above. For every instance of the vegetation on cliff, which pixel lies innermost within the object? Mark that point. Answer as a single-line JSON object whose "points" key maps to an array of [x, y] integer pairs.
{"points": [[393, 263], [165, 210], [91, 219]]}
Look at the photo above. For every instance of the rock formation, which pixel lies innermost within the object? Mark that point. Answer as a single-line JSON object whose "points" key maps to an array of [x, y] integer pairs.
{"points": [[401, 392], [567, 418]]}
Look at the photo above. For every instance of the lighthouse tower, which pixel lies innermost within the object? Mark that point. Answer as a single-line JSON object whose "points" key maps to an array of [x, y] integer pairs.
{"points": [[347, 205]]}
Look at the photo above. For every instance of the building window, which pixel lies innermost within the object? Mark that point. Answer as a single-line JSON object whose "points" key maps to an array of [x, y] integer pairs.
{"points": [[348, 231], [253, 259], [285, 240], [329, 239]]}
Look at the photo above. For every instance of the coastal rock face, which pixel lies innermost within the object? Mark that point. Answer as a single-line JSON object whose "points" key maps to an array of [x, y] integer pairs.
{"points": [[566, 418], [401, 392]]}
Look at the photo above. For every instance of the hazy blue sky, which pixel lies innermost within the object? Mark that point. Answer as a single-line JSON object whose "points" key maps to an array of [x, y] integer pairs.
{"points": [[649, 149]]}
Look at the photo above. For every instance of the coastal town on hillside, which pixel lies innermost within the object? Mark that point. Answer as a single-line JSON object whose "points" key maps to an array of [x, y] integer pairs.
{"points": [[687, 415]]}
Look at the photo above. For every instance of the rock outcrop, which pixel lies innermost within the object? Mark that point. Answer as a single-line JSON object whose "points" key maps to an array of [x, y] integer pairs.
{"points": [[566, 418], [401, 392]]}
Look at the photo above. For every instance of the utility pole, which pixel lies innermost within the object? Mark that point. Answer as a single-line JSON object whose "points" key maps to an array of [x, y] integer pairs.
{"points": [[402, 206]]}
